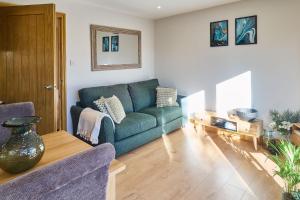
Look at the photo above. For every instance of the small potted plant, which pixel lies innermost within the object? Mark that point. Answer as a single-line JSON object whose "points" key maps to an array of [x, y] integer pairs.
{"points": [[288, 162], [283, 122]]}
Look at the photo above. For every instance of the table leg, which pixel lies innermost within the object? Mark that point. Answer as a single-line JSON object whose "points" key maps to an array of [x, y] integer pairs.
{"points": [[255, 142], [111, 187]]}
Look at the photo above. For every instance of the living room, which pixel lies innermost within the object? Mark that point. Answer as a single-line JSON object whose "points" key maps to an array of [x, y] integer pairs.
{"points": [[191, 66]]}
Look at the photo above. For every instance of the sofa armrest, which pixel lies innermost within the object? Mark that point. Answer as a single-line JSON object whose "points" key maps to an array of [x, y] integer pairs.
{"points": [[179, 99], [106, 131], [75, 114]]}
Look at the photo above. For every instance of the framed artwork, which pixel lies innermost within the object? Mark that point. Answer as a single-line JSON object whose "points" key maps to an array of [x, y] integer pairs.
{"points": [[115, 43], [105, 44], [246, 30], [219, 33]]}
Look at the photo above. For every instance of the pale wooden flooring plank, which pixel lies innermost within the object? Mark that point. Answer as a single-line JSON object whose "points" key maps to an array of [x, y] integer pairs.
{"points": [[190, 165]]}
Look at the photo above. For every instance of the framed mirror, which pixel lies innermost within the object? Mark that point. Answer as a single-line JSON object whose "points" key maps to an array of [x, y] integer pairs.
{"points": [[115, 48]]}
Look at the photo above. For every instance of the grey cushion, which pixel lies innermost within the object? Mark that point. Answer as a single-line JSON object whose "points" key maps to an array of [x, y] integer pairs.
{"points": [[133, 124], [165, 114], [88, 95], [143, 93]]}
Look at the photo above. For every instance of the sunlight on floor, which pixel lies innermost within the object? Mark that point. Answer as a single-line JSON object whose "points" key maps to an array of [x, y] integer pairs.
{"points": [[228, 161], [168, 147], [259, 160], [269, 166]]}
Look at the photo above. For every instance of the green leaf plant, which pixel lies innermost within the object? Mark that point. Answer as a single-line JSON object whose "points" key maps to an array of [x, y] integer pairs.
{"points": [[288, 162]]}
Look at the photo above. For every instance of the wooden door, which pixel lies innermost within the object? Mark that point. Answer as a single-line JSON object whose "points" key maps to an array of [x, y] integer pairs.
{"points": [[27, 42]]}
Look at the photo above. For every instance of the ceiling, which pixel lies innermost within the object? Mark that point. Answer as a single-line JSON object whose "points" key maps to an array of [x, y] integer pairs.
{"points": [[149, 8]]}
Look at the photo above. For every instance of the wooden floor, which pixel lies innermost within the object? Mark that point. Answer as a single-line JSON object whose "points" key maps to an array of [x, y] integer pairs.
{"points": [[187, 165]]}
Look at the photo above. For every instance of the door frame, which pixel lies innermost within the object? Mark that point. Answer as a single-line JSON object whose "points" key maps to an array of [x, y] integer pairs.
{"points": [[62, 54]]}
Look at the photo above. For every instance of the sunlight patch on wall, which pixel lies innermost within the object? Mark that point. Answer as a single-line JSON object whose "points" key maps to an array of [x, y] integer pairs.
{"points": [[194, 104], [234, 93]]}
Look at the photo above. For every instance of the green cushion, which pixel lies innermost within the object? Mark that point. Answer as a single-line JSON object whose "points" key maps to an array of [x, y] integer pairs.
{"points": [[88, 95], [133, 124], [165, 114], [143, 93]]}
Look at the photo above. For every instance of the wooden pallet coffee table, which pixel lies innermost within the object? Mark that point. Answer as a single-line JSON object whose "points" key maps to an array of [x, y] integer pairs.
{"points": [[251, 129]]}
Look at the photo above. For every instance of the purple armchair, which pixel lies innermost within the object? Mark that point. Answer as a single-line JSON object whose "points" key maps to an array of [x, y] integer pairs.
{"points": [[83, 176]]}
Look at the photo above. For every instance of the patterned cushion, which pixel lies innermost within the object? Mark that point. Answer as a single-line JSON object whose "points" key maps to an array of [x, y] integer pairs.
{"points": [[100, 104], [115, 109], [166, 97]]}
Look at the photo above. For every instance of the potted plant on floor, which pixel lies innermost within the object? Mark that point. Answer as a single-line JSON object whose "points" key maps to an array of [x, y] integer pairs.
{"points": [[282, 123], [288, 162]]}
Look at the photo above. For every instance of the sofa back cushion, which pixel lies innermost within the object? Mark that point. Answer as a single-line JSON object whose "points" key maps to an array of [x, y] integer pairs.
{"points": [[143, 94], [88, 95]]}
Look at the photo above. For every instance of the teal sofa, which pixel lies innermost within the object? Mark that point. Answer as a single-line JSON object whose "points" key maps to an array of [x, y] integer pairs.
{"points": [[144, 122]]}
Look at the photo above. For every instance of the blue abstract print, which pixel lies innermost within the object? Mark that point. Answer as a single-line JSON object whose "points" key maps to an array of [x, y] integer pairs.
{"points": [[219, 33], [246, 30]]}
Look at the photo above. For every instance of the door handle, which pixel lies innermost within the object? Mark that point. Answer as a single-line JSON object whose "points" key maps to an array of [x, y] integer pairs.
{"points": [[49, 87]]}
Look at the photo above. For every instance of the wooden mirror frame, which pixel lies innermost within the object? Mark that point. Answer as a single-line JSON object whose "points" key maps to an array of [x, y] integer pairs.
{"points": [[95, 66]]}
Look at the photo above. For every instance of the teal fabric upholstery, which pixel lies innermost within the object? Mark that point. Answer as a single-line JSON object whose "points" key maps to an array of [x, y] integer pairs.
{"points": [[133, 124], [144, 122], [88, 95], [133, 142], [143, 94], [165, 114]]}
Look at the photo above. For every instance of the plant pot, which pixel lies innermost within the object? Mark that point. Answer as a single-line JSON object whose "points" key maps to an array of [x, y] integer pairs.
{"points": [[25, 147], [287, 196]]}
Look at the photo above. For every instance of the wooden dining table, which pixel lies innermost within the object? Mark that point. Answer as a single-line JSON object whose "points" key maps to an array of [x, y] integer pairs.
{"points": [[60, 145]]}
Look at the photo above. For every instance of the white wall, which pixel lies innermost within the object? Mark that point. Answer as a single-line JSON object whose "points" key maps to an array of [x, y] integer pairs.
{"points": [[184, 58], [79, 17]]}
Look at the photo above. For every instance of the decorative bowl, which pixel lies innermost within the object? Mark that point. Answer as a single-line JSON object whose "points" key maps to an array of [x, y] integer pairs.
{"points": [[246, 114]]}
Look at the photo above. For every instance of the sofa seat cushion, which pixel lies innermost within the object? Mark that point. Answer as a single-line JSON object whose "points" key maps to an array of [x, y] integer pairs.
{"points": [[165, 114], [134, 123]]}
